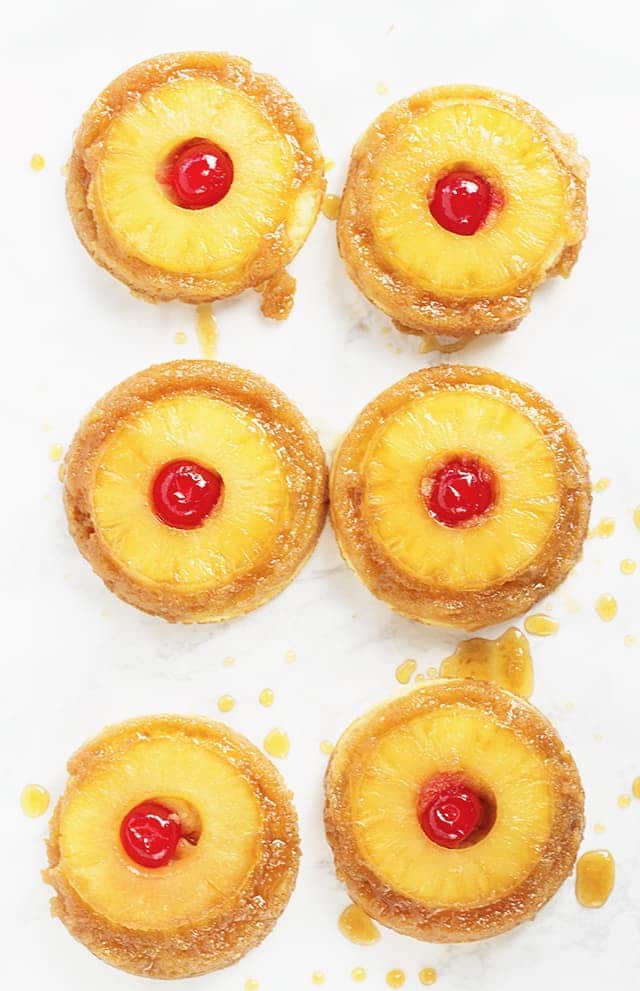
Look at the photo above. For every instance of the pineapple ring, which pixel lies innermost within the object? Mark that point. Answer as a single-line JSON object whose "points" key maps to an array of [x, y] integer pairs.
{"points": [[218, 898], [121, 211], [434, 282], [230, 421], [403, 879], [514, 554]]}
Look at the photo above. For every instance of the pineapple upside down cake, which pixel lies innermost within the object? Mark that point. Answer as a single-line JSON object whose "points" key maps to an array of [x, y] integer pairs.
{"points": [[196, 490], [192, 177], [460, 497], [454, 812], [174, 848], [460, 201]]}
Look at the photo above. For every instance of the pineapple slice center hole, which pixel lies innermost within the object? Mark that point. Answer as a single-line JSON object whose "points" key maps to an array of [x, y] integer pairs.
{"points": [[455, 811], [462, 200], [185, 493], [160, 830], [196, 175], [460, 491]]}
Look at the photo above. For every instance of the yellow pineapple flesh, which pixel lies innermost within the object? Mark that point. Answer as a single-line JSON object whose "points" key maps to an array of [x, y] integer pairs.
{"points": [[213, 241], [235, 538], [520, 241], [184, 775], [413, 444], [460, 740]]}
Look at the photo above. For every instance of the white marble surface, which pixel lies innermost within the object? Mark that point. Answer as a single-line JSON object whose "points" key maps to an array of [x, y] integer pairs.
{"points": [[75, 658]]}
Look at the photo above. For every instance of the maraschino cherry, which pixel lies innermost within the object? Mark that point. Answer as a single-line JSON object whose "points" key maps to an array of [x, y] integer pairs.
{"points": [[149, 835], [461, 201], [460, 491], [184, 494], [199, 175], [449, 810]]}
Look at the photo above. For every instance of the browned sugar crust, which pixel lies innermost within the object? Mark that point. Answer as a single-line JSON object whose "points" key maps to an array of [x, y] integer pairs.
{"points": [[460, 923]]}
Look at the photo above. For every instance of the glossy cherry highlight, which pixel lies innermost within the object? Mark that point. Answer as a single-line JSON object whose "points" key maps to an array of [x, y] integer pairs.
{"points": [[449, 810], [199, 175], [184, 494], [150, 835], [461, 490], [461, 202]]}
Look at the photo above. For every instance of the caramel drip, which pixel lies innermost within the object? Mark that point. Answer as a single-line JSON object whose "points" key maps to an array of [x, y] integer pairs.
{"points": [[505, 661], [207, 329], [278, 294], [356, 925], [595, 877]]}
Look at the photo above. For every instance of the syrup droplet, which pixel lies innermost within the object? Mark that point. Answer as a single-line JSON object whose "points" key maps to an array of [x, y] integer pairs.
{"points": [[428, 975], [198, 175], [635, 788], [606, 607], [207, 330], [150, 835], [624, 801], [226, 703], [251, 984], [55, 452], [276, 743], [628, 566], [461, 202], [599, 828], [595, 877], [604, 528], [601, 484], [290, 656], [432, 672], [34, 800], [636, 517], [395, 978], [459, 492], [185, 493], [61, 472], [629, 640], [405, 671], [358, 974], [331, 206], [228, 662], [540, 625], [381, 88], [328, 164], [180, 337], [266, 697], [505, 661], [326, 746], [318, 977], [37, 163], [355, 924]]}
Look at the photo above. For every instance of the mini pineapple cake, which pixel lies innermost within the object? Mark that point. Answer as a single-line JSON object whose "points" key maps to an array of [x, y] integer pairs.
{"points": [[460, 497], [460, 201], [192, 177], [454, 812], [196, 490], [174, 849]]}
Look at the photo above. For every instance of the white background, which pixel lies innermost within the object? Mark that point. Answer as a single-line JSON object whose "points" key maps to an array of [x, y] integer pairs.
{"points": [[75, 658]]}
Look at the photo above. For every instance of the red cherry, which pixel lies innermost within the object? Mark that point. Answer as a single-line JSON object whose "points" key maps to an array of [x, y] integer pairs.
{"points": [[149, 836], [449, 810], [460, 490], [184, 494], [200, 175], [462, 201]]}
